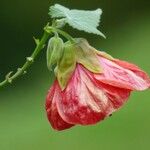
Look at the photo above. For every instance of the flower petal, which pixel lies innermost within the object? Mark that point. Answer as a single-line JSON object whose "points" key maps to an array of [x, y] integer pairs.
{"points": [[52, 113], [133, 68], [83, 102], [122, 75], [118, 96]]}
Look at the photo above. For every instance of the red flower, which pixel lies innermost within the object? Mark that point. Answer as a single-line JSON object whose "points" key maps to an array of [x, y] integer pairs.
{"points": [[90, 97]]}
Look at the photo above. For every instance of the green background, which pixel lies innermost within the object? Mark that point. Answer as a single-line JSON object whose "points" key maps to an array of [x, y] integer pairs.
{"points": [[23, 122]]}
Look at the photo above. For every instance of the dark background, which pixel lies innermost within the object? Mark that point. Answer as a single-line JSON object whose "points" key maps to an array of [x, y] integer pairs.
{"points": [[23, 123]]}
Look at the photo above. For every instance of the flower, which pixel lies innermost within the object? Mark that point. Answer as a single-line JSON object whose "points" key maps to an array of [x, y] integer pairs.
{"points": [[90, 97]]}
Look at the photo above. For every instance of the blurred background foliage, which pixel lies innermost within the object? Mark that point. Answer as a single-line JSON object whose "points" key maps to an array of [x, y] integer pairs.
{"points": [[23, 123]]}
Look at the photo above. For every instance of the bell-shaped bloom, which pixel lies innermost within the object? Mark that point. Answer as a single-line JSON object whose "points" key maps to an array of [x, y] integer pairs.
{"points": [[90, 97]]}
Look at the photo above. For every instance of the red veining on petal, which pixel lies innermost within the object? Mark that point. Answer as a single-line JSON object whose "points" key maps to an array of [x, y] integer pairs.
{"points": [[123, 77], [135, 69], [116, 95], [85, 101]]}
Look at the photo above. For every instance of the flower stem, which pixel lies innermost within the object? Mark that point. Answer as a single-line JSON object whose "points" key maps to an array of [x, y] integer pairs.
{"points": [[40, 45], [66, 35]]}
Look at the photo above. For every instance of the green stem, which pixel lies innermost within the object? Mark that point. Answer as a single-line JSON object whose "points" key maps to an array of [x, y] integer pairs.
{"points": [[22, 70], [66, 35], [40, 45]]}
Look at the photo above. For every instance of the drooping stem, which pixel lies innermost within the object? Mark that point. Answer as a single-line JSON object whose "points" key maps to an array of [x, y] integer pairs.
{"points": [[40, 45]]}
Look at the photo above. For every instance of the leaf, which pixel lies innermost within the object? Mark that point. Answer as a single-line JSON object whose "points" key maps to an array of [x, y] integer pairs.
{"points": [[84, 20]]}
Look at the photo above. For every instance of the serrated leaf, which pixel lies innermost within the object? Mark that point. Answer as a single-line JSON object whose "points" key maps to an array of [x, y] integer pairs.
{"points": [[58, 11], [84, 20]]}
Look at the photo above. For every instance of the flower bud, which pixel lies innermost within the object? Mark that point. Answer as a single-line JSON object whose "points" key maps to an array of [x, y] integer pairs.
{"points": [[54, 51]]}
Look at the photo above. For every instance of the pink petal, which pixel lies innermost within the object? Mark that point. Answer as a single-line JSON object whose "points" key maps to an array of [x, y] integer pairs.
{"points": [[52, 113], [123, 75], [118, 96], [133, 68], [84, 101]]}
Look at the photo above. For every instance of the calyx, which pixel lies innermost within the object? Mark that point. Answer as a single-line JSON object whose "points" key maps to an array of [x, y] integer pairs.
{"points": [[79, 52]]}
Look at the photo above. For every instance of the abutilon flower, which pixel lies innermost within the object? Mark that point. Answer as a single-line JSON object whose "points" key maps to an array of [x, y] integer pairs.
{"points": [[90, 86]]}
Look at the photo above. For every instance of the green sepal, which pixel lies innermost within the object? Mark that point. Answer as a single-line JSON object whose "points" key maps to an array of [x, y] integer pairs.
{"points": [[105, 55], [54, 51], [87, 56], [66, 65]]}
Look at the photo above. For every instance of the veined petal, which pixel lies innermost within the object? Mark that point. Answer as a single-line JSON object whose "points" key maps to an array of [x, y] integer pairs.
{"points": [[85, 101], [135, 69], [52, 113], [122, 75], [117, 96]]}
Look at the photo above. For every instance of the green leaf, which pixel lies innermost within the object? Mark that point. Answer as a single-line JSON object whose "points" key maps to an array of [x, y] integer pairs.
{"points": [[84, 20], [86, 55], [66, 65], [54, 51]]}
